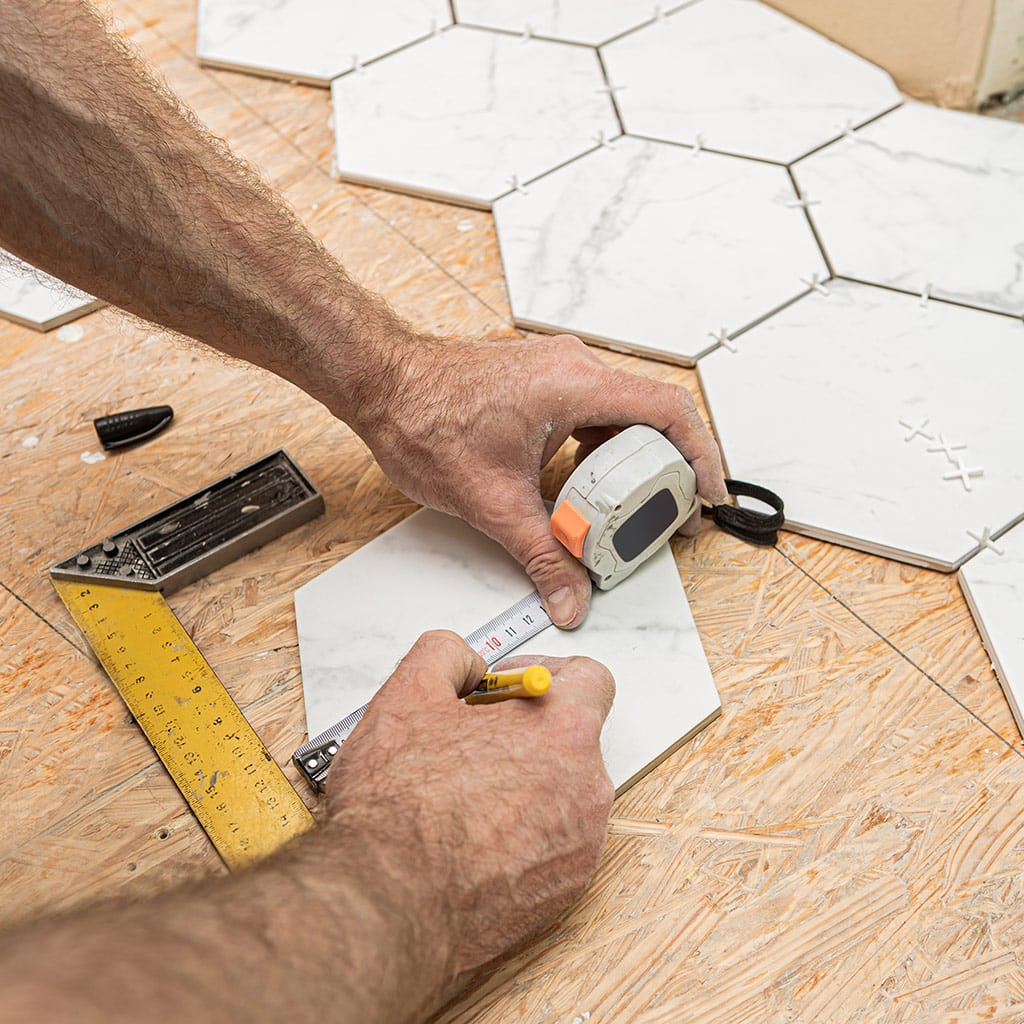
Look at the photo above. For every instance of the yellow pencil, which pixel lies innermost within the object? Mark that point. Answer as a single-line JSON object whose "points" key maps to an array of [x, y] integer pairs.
{"points": [[497, 686]]}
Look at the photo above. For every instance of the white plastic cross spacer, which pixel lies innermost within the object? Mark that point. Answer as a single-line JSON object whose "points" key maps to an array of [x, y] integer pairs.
{"points": [[659, 14], [925, 295], [357, 64], [814, 282], [435, 28], [948, 447], [916, 431], [603, 140], [964, 473], [611, 89], [527, 32], [985, 540], [517, 185], [803, 201], [722, 337], [698, 144], [847, 129]]}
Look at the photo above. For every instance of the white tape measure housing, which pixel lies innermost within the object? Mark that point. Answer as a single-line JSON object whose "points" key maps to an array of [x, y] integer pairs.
{"points": [[623, 502]]}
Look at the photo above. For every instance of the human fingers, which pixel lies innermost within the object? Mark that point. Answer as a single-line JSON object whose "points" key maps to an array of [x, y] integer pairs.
{"points": [[523, 527], [439, 665]]}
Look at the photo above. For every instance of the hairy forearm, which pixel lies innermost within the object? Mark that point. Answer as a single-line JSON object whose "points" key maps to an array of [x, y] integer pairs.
{"points": [[108, 183], [321, 933]]}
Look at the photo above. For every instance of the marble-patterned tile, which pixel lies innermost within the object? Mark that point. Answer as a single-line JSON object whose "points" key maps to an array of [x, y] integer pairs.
{"points": [[885, 424], [432, 571], [922, 199], [646, 247], [466, 114], [34, 299], [993, 583], [310, 41], [573, 21], [742, 78]]}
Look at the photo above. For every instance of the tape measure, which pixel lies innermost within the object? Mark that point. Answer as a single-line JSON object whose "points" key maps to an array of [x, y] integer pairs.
{"points": [[227, 776], [492, 641]]}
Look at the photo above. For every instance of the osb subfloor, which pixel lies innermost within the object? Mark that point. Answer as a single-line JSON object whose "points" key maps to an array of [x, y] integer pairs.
{"points": [[844, 844]]}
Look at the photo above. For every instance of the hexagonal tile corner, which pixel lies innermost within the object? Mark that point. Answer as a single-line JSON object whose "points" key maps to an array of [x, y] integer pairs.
{"points": [[744, 79], [34, 299], [468, 114], [644, 247], [591, 22], [309, 41], [871, 414], [926, 199]]}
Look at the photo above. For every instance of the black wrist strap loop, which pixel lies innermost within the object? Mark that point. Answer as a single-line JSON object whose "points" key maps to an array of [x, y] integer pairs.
{"points": [[748, 524]]}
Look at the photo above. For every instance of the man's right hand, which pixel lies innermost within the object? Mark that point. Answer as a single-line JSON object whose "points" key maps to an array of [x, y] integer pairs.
{"points": [[483, 822]]}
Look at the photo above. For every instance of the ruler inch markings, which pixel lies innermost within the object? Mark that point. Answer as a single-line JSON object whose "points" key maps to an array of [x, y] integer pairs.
{"points": [[227, 776]]}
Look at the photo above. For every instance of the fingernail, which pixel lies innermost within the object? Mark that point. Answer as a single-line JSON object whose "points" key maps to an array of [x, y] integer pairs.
{"points": [[562, 607]]}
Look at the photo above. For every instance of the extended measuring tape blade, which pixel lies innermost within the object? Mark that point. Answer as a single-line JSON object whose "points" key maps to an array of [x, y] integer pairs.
{"points": [[492, 641], [228, 777]]}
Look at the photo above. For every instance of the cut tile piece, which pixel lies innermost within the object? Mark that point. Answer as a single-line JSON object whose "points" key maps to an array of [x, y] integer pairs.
{"points": [[573, 21], [432, 571], [310, 41], [922, 199], [993, 583], [854, 406], [467, 114], [745, 78], [34, 299], [646, 248]]}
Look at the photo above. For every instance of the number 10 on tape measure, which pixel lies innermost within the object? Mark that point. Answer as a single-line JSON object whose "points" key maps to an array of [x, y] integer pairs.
{"points": [[228, 777]]}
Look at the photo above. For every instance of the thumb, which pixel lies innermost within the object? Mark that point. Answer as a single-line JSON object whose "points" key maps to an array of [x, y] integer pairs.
{"points": [[562, 582], [438, 666]]}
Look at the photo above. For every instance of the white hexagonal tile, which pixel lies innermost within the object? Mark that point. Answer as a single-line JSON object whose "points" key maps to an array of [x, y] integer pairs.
{"points": [[744, 78], [309, 41], [645, 247], [34, 299], [884, 424], [993, 583], [462, 115], [574, 21], [926, 198], [434, 572]]}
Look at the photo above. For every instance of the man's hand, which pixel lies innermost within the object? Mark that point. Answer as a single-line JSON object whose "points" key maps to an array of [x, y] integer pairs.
{"points": [[487, 821], [453, 833], [467, 427]]}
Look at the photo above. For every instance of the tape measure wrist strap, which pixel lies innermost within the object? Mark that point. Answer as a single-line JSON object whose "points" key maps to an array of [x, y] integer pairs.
{"points": [[749, 524]]}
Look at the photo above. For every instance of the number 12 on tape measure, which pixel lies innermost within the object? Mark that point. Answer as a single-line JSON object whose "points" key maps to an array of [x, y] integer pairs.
{"points": [[228, 777]]}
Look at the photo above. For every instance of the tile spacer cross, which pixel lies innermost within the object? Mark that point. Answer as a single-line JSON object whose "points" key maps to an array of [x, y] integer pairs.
{"points": [[964, 473], [942, 445], [985, 540], [722, 337], [916, 431], [814, 283], [803, 201]]}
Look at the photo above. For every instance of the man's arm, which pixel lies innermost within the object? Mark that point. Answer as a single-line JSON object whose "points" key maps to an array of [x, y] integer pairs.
{"points": [[108, 183], [441, 848]]}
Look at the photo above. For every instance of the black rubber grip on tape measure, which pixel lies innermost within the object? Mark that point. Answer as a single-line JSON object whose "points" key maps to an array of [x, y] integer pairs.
{"points": [[748, 524]]}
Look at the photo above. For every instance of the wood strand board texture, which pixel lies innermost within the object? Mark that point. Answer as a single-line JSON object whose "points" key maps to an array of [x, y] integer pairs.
{"points": [[843, 845]]}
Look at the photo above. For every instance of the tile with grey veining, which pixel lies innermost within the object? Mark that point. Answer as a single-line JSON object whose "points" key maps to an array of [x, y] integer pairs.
{"points": [[30, 297], [468, 113], [358, 619], [885, 424], [574, 21], [744, 78], [926, 198], [993, 583], [309, 41], [653, 249]]}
